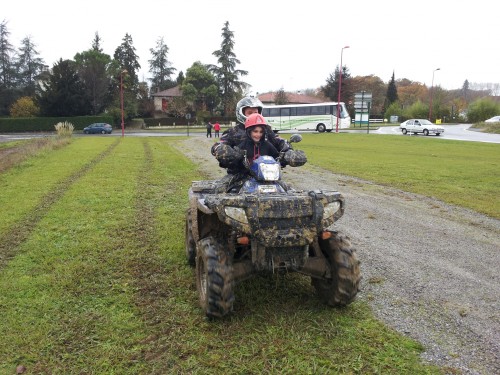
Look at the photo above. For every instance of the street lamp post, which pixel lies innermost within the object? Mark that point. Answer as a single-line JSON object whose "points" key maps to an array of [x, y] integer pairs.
{"points": [[432, 90], [340, 86], [121, 99]]}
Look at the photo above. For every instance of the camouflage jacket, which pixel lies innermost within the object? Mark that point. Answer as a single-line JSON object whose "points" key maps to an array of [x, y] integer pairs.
{"points": [[236, 135]]}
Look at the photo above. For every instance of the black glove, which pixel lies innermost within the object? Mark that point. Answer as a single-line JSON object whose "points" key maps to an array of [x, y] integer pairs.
{"points": [[295, 158], [227, 155], [214, 147]]}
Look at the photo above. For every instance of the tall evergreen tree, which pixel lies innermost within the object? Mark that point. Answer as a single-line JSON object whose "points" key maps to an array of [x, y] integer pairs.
{"points": [[331, 89], [95, 71], [8, 94], [128, 60], [180, 78], [64, 93], [29, 66], [392, 91], [96, 43], [465, 89], [226, 73], [7, 53], [160, 68]]}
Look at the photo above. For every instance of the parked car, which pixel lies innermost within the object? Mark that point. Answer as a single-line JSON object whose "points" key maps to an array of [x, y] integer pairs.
{"points": [[493, 119], [99, 127], [420, 126]]}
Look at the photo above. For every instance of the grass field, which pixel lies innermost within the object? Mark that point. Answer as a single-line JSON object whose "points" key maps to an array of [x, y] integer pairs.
{"points": [[94, 280], [462, 173]]}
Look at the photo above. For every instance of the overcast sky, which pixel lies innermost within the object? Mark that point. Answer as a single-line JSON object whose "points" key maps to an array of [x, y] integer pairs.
{"points": [[282, 44]]}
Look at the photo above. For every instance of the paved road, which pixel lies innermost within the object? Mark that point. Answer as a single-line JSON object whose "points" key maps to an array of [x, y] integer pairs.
{"points": [[459, 132]]}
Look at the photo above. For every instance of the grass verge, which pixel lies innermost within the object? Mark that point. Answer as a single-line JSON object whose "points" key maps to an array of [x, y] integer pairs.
{"points": [[461, 173], [487, 127], [14, 153]]}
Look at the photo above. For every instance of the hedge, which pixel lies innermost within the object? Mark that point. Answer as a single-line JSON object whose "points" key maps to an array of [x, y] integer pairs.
{"points": [[44, 124], [170, 121]]}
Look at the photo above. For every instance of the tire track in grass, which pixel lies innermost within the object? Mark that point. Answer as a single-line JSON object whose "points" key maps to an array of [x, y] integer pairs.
{"points": [[10, 243], [146, 265]]}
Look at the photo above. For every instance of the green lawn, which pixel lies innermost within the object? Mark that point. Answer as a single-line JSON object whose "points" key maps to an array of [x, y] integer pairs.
{"points": [[461, 173], [94, 280]]}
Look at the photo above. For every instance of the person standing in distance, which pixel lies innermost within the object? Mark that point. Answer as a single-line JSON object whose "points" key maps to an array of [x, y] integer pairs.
{"points": [[217, 129], [209, 129]]}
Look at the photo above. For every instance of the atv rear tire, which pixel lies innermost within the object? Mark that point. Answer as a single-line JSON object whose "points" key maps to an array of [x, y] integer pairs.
{"points": [[190, 244], [343, 286], [214, 278]]}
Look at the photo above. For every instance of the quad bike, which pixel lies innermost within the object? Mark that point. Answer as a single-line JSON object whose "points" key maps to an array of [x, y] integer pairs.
{"points": [[267, 227]]}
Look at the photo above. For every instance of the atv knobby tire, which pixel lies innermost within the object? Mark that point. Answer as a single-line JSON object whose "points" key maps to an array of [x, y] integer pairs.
{"points": [[214, 278], [343, 286], [190, 244]]}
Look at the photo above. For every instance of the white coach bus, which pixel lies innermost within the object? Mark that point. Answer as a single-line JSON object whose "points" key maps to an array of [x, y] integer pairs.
{"points": [[319, 116]]}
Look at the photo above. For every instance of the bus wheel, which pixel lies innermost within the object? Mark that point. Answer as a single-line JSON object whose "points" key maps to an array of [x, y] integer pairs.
{"points": [[321, 128]]}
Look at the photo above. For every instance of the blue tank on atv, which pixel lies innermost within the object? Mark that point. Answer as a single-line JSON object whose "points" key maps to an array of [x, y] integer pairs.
{"points": [[265, 174]]}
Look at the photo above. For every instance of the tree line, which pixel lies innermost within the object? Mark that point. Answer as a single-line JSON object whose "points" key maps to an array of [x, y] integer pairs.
{"points": [[92, 83], [410, 99]]}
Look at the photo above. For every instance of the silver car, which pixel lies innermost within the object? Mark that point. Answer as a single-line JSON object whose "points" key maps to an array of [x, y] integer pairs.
{"points": [[493, 119], [419, 125]]}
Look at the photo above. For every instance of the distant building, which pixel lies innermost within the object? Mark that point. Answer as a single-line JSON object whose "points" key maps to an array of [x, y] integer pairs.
{"points": [[268, 98], [162, 98]]}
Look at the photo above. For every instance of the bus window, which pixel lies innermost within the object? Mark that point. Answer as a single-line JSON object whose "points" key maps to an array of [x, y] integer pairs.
{"points": [[265, 112], [303, 111], [319, 110], [274, 112], [285, 112]]}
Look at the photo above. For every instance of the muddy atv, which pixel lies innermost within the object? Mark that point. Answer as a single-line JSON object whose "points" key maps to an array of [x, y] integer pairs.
{"points": [[232, 236]]}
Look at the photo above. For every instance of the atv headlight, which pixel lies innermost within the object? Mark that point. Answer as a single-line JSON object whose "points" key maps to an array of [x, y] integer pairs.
{"points": [[330, 209], [269, 172], [237, 214]]}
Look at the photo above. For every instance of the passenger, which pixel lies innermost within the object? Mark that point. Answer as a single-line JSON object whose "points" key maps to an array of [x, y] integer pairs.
{"points": [[255, 144]]}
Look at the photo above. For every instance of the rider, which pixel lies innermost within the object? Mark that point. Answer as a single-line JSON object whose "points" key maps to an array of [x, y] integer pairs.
{"points": [[224, 150]]}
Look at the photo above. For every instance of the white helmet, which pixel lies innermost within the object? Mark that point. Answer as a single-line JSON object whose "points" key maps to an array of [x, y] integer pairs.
{"points": [[244, 103]]}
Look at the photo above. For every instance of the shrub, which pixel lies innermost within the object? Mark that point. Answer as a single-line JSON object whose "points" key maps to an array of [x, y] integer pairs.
{"points": [[24, 107], [416, 110], [64, 129], [394, 110], [482, 109]]}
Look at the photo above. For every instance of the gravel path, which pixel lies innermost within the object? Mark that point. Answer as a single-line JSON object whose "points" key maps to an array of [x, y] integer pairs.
{"points": [[430, 270]]}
